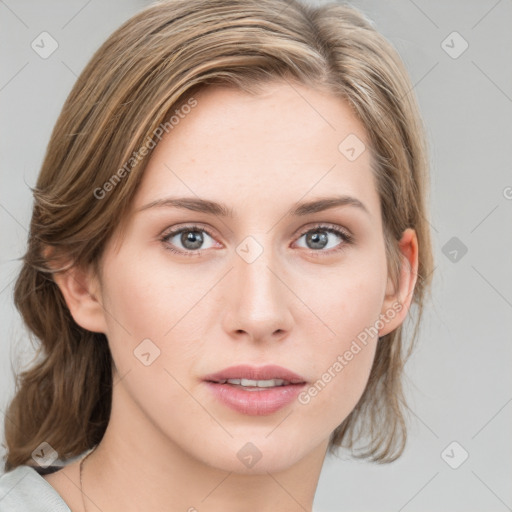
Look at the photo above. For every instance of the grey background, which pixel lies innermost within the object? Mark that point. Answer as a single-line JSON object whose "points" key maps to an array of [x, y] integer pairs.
{"points": [[460, 379]]}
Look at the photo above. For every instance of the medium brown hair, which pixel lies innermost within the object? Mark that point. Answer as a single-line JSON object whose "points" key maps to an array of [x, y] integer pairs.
{"points": [[147, 68]]}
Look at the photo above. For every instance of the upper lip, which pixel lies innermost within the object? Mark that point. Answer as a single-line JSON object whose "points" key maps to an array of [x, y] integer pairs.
{"points": [[266, 372]]}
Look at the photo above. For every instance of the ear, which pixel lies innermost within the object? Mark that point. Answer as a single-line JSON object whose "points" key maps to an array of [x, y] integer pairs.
{"points": [[81, 290], [398, 299]]}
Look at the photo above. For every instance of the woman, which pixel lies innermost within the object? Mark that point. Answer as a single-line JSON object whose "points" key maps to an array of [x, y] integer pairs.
{"points": [[228, 233]]}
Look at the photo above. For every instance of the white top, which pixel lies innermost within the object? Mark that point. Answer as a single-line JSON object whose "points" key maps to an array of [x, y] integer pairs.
{"points": [[24, 490]]}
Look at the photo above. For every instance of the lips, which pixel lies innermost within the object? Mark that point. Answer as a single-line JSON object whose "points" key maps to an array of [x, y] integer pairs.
{"points": [[267, 372], [255, 390]]}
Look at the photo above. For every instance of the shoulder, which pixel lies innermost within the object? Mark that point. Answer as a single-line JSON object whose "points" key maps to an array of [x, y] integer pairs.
{"points": [[23, 489]]}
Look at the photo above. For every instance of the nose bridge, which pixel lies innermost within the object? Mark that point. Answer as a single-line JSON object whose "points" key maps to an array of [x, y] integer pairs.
{"points": [[260, 304]]}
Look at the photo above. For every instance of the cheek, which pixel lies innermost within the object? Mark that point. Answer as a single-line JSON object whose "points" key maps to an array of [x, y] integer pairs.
{"points": [[350, 306], [146, 310], [148, 298], [153, 332], [340, 381], [346, 301]]}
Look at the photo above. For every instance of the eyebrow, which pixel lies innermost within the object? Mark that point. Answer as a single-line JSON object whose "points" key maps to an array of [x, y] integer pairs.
{"points": [[214, 208]]}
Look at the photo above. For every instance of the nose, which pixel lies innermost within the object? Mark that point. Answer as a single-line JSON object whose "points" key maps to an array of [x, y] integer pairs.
{"points": [[259, 300]]}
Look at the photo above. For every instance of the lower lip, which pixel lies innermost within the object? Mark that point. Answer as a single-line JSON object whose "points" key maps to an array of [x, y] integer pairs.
{"points": [[256, 403]]}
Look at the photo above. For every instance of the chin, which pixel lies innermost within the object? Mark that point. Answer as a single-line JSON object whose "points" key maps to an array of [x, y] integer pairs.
{"points": [[253, 453]]}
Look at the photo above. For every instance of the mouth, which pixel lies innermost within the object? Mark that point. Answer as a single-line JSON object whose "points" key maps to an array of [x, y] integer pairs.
{"points": [[255, 385], [255, 391]]}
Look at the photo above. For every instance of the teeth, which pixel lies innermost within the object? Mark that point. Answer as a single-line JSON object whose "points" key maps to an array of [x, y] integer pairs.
{"points": [[270, 383]]}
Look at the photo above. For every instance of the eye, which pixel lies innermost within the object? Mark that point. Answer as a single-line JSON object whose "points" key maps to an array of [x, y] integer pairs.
{"points": [[192, 240], [326, 237], [189, 240]]}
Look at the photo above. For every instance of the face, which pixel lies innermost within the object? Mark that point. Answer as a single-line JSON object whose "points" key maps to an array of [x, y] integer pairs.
{"points": [[248, 312]]}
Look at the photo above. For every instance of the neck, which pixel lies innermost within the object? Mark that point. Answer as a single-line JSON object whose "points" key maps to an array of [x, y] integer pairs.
{"points": [[137, 467]]}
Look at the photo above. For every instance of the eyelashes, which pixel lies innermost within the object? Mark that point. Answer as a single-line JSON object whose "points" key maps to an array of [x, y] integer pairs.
{"points": [[312, 236], [185, 229], [194, 235]]}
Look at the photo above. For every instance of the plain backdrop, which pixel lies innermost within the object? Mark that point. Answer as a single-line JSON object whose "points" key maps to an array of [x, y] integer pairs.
{"points": [[459, 55]]}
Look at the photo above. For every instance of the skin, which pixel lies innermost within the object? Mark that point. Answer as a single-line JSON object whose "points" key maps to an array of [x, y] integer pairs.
{"points": [[170, 445]]}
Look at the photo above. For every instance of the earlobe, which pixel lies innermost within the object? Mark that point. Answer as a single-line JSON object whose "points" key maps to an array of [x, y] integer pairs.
{"points": [[398, 299], [81, 292]]}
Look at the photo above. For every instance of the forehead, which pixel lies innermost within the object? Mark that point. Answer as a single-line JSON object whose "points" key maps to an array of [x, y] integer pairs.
{"points": [[258, 151]]}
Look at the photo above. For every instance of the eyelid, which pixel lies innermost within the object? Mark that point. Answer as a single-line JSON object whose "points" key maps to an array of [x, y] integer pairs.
{"points": [[176, 229], [340, 231], [326, 225], [195, 226]]}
